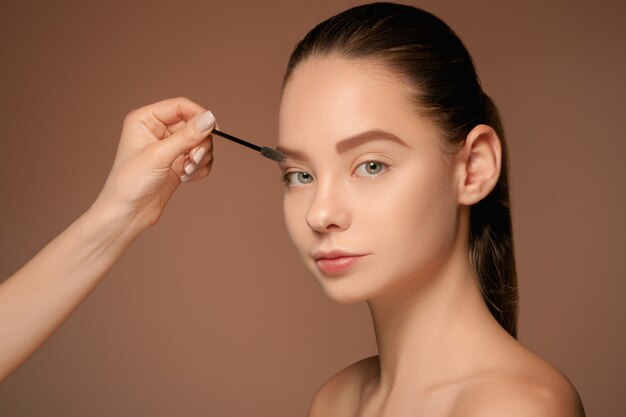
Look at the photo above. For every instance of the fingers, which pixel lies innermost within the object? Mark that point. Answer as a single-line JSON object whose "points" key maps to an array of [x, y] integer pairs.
{"points": [[198, 156], [159, 117], [173, 110], [171, 129], [204, 168], [184, 139]]}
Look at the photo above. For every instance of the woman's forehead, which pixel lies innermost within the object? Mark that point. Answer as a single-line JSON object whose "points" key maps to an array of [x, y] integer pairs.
{"points": [[334, 81], [336, 97]]}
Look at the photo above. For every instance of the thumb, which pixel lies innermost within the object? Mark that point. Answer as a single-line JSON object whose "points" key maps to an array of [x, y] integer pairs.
{"points": [[194, 132]]}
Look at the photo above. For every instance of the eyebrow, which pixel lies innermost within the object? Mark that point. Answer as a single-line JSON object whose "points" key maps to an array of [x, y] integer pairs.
{"points": [[346, 144]]}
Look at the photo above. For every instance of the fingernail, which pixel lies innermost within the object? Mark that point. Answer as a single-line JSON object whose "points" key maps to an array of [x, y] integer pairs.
{"points": [[205, 121], [185, 178], [190, 167], [197, 157]]}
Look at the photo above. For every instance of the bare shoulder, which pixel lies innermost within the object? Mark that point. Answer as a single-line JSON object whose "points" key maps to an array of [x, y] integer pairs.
{"points": [[534, 387], [340, 394]]}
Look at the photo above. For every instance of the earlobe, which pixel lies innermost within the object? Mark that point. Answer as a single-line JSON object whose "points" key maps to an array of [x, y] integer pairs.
{"points": [[479, 164]]}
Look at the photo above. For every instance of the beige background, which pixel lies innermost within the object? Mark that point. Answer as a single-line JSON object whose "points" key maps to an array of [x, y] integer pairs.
{"points": [[211, 311]]}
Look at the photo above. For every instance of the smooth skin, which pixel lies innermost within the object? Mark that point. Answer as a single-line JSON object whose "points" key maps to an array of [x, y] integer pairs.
{"points": [[405, 206], [162, 145]]}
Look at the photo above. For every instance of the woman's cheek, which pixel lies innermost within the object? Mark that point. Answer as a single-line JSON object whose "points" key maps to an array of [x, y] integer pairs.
{"points": [[420, 219]]}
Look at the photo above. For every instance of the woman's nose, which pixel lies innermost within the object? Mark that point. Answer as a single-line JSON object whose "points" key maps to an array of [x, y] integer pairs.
{"points": [[328, 210]]}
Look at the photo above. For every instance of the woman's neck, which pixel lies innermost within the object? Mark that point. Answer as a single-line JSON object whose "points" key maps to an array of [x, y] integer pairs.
{"points": [[435, 330]]}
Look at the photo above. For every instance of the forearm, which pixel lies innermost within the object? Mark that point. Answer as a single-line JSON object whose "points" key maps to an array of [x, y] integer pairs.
{"points": [[38, 298]]}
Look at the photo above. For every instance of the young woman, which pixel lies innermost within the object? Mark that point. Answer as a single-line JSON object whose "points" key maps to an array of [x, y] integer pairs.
{"points": [[396, 194]]}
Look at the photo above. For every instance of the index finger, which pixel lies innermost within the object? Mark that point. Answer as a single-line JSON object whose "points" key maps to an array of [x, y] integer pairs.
{"points": [[173, 110]]}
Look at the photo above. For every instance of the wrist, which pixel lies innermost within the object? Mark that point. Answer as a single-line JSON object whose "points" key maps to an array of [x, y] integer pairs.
{"points": [[115, 221]]}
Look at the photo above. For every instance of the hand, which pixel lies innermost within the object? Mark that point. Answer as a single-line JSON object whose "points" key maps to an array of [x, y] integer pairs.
{"points": [[161, 145], [156, 141]]}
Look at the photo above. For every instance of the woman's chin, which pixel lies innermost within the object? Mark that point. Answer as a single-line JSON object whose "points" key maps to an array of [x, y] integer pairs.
{"points": [[345, 294], [344, 287]]}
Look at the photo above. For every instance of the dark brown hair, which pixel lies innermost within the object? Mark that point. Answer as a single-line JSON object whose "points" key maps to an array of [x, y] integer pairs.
{"points": [[441, 77]]}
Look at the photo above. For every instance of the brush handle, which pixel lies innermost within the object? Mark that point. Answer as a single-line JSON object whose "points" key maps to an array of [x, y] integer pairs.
{"points": [[264, 150], [237, 140]]}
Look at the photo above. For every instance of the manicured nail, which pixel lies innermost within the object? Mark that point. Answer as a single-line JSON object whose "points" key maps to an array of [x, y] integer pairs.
{"points": [[185, 177], [190, 167], [197, 157], [205, 121]]}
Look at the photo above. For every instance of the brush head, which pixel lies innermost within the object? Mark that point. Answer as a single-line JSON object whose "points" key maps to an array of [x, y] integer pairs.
{"points": [[272, 154]]}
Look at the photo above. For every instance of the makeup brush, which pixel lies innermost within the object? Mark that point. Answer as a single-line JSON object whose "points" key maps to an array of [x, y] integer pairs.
{"points": [[270, 153]]}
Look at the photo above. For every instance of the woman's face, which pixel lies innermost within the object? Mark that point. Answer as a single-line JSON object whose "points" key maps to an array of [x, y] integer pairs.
{"points": [[387, 194]]}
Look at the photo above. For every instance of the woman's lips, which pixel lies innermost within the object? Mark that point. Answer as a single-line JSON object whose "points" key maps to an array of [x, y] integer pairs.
{"points": [[339, 264]]}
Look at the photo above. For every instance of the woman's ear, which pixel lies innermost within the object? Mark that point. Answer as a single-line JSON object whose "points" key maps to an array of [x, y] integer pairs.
{"points": [[478, 164]]}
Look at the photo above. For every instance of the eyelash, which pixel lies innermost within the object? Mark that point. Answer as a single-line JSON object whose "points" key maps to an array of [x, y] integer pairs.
{"points": [[285, 177]]}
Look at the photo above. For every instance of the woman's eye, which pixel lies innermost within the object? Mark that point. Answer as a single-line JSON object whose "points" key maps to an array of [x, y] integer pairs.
{"points": [[297, 176], [371, 168]]}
